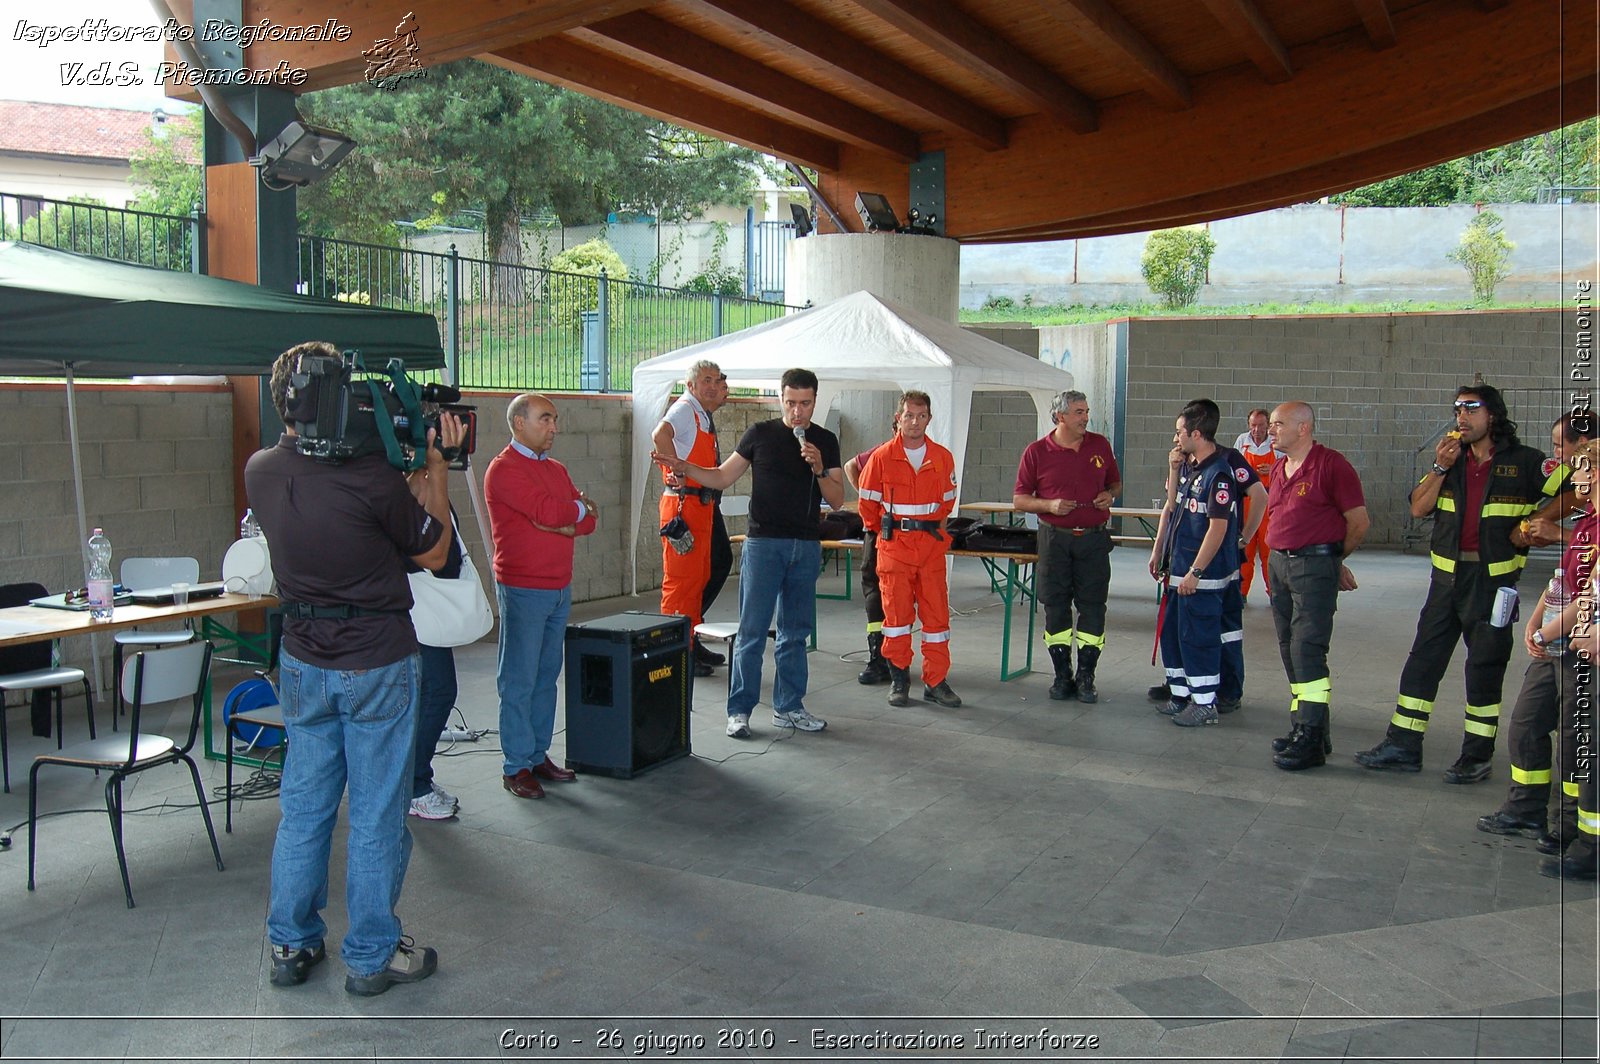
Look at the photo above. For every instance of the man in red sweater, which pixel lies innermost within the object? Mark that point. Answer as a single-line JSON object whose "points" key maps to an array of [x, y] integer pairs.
{"points": [[534, 515]]}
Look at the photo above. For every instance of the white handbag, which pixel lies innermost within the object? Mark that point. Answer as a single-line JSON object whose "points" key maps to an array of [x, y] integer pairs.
{"points": [[450, 613]]}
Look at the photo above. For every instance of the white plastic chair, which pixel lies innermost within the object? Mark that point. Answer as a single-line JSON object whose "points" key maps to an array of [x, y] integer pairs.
{"points": [[139, 574]]}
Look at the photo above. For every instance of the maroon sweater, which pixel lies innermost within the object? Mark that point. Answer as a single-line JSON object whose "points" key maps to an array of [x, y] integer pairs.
{"points": [[522, 491]]}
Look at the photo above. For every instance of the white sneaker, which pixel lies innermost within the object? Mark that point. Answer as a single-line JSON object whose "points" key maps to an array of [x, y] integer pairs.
{"points": [[739, 726], [800, 720], [432, 806], [445, 795]]}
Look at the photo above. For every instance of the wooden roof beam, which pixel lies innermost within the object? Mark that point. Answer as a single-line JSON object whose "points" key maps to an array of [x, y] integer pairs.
{"points": [[945, 28], [1249, 27], [725, 70], [1375, 17], [563, 62], [1098, 23], [859, 64]]}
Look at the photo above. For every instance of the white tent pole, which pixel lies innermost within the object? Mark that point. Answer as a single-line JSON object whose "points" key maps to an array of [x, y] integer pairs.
{"points": [[83, 521]]}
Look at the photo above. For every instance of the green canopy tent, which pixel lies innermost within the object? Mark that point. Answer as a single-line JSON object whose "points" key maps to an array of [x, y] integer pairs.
{"points": [[67, 315]]}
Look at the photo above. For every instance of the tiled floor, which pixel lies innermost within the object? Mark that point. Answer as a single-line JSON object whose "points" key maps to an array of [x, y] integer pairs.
{"points": [[1090, 869]]}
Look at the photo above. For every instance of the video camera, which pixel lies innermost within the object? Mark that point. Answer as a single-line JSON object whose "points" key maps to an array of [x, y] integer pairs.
{"points": [[341, 410]]}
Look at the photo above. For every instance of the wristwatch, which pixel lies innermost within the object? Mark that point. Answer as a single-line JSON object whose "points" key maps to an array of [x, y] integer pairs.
{"points": [[1538, 637], [1439, 469], [822, 474]]}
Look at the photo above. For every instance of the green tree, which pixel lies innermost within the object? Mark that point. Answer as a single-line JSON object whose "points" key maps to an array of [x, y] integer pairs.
{"points": [[1435, 186], [1512, 173], [166, 168], [1175, 262], [1485, 253]]}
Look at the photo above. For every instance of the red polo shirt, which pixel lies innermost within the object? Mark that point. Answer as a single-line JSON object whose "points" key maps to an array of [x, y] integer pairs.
{"points": [[1309, 507], [1472, 505], [1050, 471]]}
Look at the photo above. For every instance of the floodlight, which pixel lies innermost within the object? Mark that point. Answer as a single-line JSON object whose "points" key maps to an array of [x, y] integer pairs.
{"points": [[802, 219], [301, 155], [876, 214]]}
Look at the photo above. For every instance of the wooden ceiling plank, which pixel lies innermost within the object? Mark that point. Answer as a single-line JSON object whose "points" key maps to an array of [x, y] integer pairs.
{"points": [[1098, 23], [945, 28], [561, 61], [1375, 17], [725, 70], [859, 64], [1245, 23]]}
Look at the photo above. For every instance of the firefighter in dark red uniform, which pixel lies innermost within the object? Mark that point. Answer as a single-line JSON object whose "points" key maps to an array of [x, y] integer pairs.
{"points": [[1483, 484], [1069, 478], [907, 490]]}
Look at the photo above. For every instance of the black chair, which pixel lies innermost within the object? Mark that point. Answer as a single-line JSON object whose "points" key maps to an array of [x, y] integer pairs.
{"points": [[27, 668], [150, 677]]}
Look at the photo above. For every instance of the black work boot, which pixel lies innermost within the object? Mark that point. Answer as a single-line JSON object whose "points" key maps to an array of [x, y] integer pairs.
{"points": [[1064, 687], [1282, 742], [1392, 755], [1088, 657], [877, 670], [1307, 750], [899, 685]]}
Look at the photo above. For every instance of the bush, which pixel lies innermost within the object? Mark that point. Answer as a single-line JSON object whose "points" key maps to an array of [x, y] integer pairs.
{"points": [[1484, 252], [1174, 264], [574, 295], [1000, 303]]}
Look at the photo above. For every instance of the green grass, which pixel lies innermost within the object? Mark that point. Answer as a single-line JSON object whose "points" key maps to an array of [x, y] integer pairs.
{"points": [[1078, 314]]}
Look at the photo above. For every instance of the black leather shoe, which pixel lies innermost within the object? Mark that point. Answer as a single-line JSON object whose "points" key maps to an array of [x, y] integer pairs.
{"points": [[1084, 682], [1283, 742], [876, 672], [1305, 752], [899, 686], [1159, 693], [1579, 862], [1550, 844], [941, 693], [1064, 688], [1390, 756], [1229, 705], [702, 668], [1466, 770], [710, 657], [1500, 822]]}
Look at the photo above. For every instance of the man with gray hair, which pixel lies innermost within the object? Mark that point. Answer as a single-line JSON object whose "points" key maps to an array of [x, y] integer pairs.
{"points": [[1069, 478], [695, 561]]}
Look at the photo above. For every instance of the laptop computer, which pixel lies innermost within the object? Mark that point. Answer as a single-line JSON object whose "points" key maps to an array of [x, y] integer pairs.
{"points": [[162, 596]]}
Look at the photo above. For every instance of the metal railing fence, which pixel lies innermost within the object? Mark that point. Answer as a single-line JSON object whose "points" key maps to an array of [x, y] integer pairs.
{"points": [[165, 241], [526, 327]]}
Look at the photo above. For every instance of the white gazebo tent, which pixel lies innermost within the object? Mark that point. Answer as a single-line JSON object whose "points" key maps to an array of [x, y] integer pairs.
{"points": [[856, 342]]}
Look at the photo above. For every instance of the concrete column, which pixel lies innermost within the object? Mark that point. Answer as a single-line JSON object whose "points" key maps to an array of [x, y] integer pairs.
{"points": [[921, 273]]}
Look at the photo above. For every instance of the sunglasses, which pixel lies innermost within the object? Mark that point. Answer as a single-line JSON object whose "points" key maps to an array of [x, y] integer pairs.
{"points": [[1469, 404]]}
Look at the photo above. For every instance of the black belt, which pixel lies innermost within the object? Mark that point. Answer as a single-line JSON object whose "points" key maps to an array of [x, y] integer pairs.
{"points": [[708, 496], [305, 611], [910, 524], [1315, 550]]}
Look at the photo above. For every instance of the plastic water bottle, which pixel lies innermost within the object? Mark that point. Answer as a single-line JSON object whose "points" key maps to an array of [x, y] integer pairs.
{"points": [[101, 586], [1555, 601], [249, 528]]}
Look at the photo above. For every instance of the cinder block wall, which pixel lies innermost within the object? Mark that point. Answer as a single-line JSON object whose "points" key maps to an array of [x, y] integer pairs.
{"points": [[157, 476], [1380, 384]]}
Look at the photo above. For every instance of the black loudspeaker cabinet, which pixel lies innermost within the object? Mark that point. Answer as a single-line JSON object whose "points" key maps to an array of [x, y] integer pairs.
{"points": [[629, 688]]}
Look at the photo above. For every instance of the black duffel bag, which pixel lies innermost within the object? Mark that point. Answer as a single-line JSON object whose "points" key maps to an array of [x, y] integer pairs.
{"points": [[841, 524], [1004, 539], [960, 529]]}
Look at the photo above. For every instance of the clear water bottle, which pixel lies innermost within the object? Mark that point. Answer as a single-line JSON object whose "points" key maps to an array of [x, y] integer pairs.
{"points": [[1555, 601], [249, 528], [101, 586]]}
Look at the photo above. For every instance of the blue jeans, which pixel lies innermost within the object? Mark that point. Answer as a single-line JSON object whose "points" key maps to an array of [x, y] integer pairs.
{"points": [[438, 698], [358, 726], [775, 575], [533, 630]]}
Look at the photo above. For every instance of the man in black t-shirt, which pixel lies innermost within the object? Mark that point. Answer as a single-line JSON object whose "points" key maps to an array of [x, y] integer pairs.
{"points": [[340, 535], [794, 464]]}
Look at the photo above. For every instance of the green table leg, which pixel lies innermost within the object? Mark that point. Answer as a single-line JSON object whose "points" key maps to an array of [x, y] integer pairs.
{"points": [[1018, 585]]}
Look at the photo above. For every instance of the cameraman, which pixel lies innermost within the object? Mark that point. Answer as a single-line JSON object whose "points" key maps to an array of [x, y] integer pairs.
{"points": [[341, 534]]}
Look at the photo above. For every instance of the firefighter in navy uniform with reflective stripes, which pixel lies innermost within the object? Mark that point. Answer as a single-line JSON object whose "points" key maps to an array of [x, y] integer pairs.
{"points": [[1483, 484], [1205, 550]]}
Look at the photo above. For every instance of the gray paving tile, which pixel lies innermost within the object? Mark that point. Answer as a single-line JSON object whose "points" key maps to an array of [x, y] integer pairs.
{"points": [[1184, 1001], [1202, 930]]}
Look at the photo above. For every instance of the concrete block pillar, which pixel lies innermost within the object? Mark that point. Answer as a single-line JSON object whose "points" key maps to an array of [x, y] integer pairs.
{"points": [[921, 273]]}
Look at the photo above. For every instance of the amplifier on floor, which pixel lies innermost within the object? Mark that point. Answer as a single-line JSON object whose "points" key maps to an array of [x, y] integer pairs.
{"points": [[629, 688]]}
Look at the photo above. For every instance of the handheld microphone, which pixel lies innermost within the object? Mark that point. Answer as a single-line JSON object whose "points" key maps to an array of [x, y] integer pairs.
{"points": [[800, 435]]}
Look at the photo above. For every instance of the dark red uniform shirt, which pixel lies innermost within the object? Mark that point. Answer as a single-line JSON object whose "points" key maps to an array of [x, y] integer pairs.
{"points": [[1309, 507], [1050, 471]]}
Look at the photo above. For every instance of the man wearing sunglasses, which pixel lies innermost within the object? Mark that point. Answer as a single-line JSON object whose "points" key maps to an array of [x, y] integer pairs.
{"points": [[1483, 483]]}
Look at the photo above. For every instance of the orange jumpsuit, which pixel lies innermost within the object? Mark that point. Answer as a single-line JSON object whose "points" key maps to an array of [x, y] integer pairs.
{"points": [[911, 564], [684, 576], [1257, 547]]}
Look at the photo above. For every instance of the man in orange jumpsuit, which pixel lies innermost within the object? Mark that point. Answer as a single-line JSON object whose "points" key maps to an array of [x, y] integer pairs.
{"points": [[1258, 451], [907, 490], [691, 578]]}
